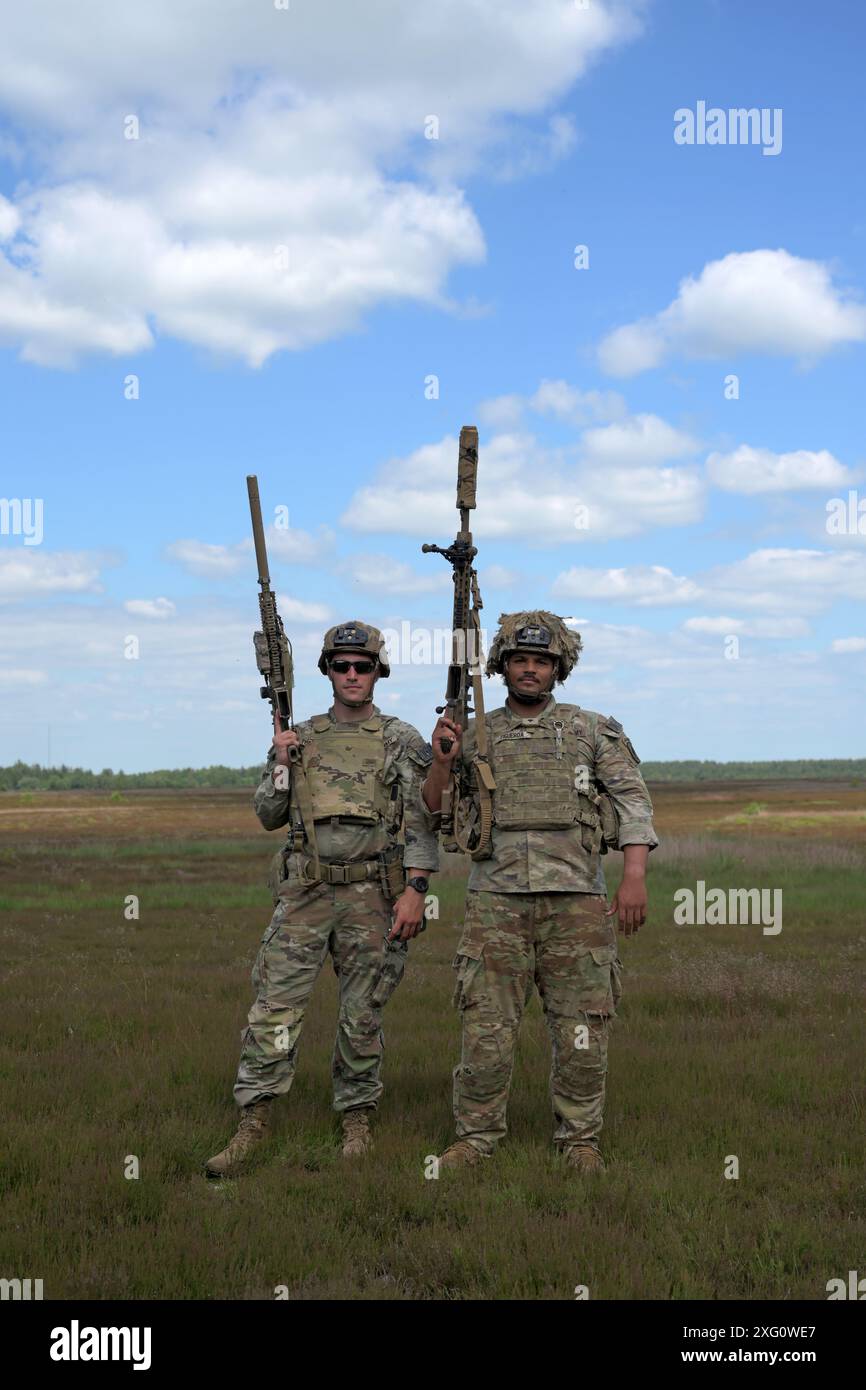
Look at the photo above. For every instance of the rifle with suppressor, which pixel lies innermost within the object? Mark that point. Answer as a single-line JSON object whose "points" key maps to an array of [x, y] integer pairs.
{"points": [[466, 817], [276, 665]]}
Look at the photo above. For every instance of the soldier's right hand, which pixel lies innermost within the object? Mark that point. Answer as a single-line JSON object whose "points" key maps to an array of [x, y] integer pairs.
{"points": [[447, 729], [284, 739]]}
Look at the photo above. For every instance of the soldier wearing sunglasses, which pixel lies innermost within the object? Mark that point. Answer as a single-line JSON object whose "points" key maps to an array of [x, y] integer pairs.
{"points": [[356, 893]]}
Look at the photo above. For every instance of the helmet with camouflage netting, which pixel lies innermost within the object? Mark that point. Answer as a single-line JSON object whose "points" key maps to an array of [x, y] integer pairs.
{"points": [[539, 632]]}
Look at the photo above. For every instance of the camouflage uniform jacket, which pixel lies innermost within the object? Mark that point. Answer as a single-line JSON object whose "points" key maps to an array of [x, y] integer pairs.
{"points": [[545, 861], [406, 760]]}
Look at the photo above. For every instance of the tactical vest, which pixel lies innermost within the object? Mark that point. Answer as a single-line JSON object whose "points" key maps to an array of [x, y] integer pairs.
{"points": [[344, 769], [545, 774]]}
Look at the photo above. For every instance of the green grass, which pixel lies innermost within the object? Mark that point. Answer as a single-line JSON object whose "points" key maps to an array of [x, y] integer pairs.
{"points": [[121, 1038]]}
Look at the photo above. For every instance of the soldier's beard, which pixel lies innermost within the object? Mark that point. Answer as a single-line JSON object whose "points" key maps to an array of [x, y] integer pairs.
{"points": [[527, 697]]}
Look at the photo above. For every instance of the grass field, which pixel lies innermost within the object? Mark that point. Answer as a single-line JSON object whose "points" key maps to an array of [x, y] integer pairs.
{"points": [[121, 1038]]}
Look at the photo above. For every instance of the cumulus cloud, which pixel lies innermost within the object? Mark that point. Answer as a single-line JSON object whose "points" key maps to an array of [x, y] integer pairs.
{"points": [[150, 607], [753, 301], [499, 577], [751, 471], [28, 573], [779, 579], [295, 610], [384, 574], [206, 560], [749, 627], [556, 397], [227, 174], [644, 585], [615, 481], [284, 544], [849, 644], [776, 581]]}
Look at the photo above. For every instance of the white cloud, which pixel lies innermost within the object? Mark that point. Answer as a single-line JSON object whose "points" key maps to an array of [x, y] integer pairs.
{"points": [[753, 301], [384, 574], [553, 397], [534, 493], [644, 585], [295, 547], [27, 573], [749, 627], [778, 579], [208, 561], [567, 402], [752, 471], [499, 577], [502, 412], [294, 610], [799, 581], [10, 219], [150, 607], [638, 440], [848, 644], [15, 677], [284, 545], [260, 207], [538, 153]]}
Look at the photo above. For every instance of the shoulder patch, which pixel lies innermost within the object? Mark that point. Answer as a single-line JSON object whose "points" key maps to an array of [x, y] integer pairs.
{"points": [[613, 724], [407, 737]]}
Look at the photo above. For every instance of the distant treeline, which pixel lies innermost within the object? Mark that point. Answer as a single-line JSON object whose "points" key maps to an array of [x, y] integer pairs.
{"points": [[821, 769], [33, 777]]}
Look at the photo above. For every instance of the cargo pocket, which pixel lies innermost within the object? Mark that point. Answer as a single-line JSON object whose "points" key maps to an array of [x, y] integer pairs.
{"points": [[390, 974], [260, 970], [608, 972], [277, 873], [467, 963]]}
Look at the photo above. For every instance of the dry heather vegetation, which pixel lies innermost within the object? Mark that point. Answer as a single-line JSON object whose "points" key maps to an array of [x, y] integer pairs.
{"points": [[120, 1038]]}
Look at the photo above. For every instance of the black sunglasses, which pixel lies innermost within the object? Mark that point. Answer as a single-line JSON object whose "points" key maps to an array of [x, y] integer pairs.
{"points": [[362, 667]]}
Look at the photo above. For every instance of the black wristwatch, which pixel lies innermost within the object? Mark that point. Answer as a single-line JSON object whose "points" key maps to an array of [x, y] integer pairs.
{"points": [[419, 884]]}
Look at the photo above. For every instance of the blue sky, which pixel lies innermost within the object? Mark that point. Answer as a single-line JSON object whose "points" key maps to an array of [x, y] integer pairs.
{"points": [[282, 259]]}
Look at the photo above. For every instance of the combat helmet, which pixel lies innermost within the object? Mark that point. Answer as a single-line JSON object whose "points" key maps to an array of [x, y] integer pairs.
{"points": [[358, 637], [539, 632]]}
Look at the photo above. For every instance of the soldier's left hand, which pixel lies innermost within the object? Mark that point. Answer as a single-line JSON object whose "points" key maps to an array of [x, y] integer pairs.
{"points": [[630, 901], [408, 914]]}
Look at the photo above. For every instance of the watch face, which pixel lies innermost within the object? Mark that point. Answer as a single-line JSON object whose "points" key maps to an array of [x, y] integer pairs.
{"points": [[420, 884]]}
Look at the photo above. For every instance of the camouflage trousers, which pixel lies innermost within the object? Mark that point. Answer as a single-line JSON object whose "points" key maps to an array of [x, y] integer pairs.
{"points": [[563, 943], [351, 921]]}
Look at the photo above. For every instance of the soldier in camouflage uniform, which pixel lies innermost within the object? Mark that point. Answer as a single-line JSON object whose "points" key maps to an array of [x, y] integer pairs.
{"points": [[567, 789], [362, 777]]}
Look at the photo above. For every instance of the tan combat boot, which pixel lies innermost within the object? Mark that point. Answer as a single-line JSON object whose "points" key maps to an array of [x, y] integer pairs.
{"points": [[584, 1158], [357, 1139], [253, 1128], [461, 1154]]}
